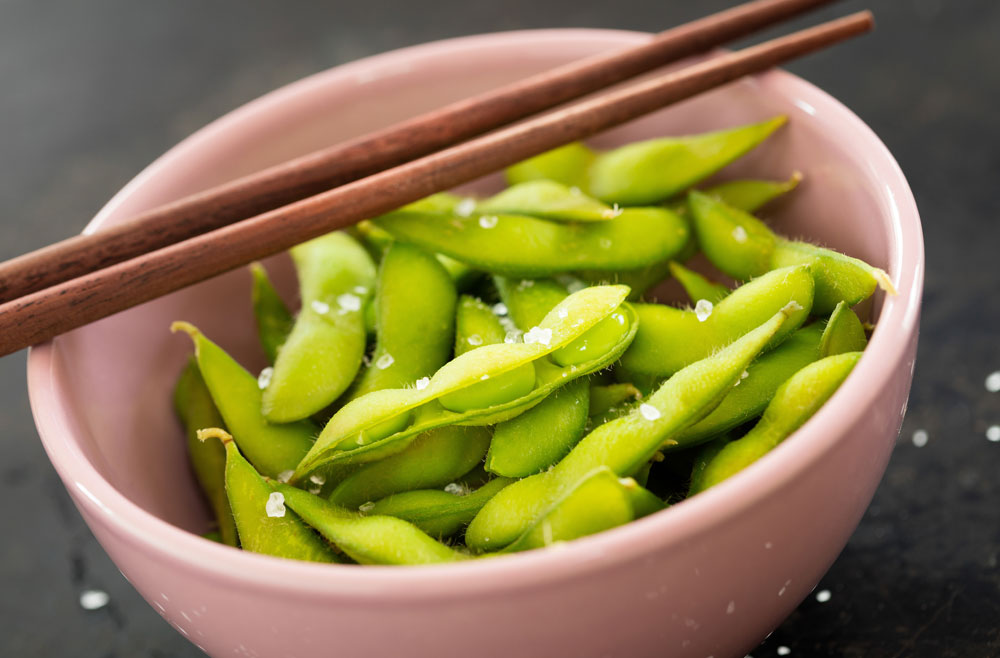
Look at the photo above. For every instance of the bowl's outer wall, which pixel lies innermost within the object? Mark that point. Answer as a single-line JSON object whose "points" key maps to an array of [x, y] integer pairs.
{"points": [[709, 577]]}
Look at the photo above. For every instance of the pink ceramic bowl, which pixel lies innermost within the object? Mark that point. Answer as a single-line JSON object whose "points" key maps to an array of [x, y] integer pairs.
{"points": [[708, 577]]}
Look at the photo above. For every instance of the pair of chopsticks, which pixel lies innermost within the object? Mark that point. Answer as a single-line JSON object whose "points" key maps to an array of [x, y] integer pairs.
{"points": [[88, 277]]}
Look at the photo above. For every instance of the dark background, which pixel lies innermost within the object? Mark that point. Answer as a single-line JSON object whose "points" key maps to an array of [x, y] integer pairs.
{"points": [[91, 92]]}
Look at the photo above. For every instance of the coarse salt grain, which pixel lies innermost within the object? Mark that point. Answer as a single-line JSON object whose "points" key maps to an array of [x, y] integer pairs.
{"points": [[488, 221], [285, 476], [993, 433], [475, 340], [422, 383], [993, 382], [740, 234], [703, 310], [538, 335], [563, 313], [500, 308], [920, 438], [455, 489], [384, 361], [465, 207], [317, 479], [320, 307], [275, 506], [264, 378], [94, 599], [605, 243], [366, 507], [348, 302], [784, 651], [823, 595], [648, 411]]}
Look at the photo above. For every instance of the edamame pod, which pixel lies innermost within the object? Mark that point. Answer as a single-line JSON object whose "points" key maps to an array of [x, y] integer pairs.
{"points": [[611, 401], [364, 427], [438, 512], [624, 445], [367, 539], [742, 246], [698, 287], [669, 339], [263, 523], [749, 194], [521, 246], [434, 459], [415, 320], [653, 170], [567, 165], [793, 404], [843, 333], [598, 501], [274, 320], [541, 436], [528, 301], [547, 199], [476, 325], [322, 354], [272, 449], [194, 406]]}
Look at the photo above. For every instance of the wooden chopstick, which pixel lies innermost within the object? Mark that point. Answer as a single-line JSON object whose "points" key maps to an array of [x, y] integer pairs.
{"points": [[427, 133], [46, 313]]}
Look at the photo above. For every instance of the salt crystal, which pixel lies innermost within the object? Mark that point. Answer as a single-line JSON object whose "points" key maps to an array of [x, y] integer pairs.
{"points": [[484, 378], [366, 507], [320, 307], [562, 313], [703, 309], [538, 335], [285, 476], [314, 488], [740, 234], [823, 595], [384, 361], [361, 290], [612, 212], [348, 302], [275, 506], [465, 207], [317, 479], [993, 382], [575, 285], [648, 411], [605, 243], [526, 283], [920, 438], [422, 383], [94, 599], [264, 378], [993, 433], [731, 608], [475, 340], [500, 308], [455, 489], [784, 651], [488, 221], [576, 191]]}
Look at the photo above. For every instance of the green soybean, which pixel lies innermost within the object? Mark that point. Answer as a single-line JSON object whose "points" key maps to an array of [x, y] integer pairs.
{"points": [[843, 332], [263, 523], [434, 459], [548, 200], [567, 165], [367, 539], [323, 352], [749, 194], [438, 512], [476, 325], [623, 445], [697, 286], [274, 320], [669, 339], [742, 246], [793, 404], [528, 301], [522, 246], [194, 406], [272, 449]]}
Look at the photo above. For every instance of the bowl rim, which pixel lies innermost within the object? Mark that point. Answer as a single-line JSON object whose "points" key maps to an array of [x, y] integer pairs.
{"points": [[896, 327]]}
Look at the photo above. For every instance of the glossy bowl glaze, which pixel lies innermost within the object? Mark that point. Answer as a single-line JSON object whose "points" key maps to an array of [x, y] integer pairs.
{"points": [[708, 577]]}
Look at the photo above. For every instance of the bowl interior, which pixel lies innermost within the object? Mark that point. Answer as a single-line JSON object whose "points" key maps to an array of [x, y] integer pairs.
{"points": [[114, 378]]}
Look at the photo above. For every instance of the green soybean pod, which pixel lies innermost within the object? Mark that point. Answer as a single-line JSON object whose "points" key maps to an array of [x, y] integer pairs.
{"points": [[434, 459], [540, 437], [598, 501], [476, 325], [751, 194], [527, 301], [706, 453], [567, 165], [194, 406], [521, 246], [548, 200], [669, 339], [367, 539], [272, 449], [415, 302], [438, 512], [697, 286], [274, 320], [843, 332], [323, 352], [742, 246], [624, 445], [263, 523], [605, 397], [650, 171], [793, 404]]}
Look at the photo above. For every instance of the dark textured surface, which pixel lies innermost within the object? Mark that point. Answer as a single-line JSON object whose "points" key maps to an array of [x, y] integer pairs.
{"points": [[92, 92]]}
